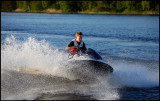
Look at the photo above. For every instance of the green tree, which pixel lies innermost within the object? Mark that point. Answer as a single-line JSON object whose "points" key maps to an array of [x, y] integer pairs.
{"points": [[130, 6], [100, 6], [68, 6], [138, 6], [19, 4], [25, 4], [75, 6], [36, 5], [8, 5], [120, 6], [54, 5], [109, 5], [145, 5], [46, 4], [84, 5], [154, 5], [157, 6]]}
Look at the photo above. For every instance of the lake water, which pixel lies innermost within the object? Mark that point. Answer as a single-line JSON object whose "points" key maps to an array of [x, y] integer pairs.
{"points": [[129, 43]]}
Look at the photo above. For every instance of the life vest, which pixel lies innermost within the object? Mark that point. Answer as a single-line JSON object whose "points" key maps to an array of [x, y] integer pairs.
{"points": [[76, 44], [74, 50]]}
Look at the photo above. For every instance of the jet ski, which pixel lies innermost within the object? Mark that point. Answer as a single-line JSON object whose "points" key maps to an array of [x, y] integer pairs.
{"points": [[90, 60]]}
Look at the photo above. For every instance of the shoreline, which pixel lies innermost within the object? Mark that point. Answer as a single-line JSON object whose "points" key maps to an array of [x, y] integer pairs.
{"points": [[54, 11]]}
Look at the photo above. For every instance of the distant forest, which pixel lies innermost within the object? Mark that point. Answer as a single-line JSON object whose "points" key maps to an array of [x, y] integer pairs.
{"points": [[83, 6]]}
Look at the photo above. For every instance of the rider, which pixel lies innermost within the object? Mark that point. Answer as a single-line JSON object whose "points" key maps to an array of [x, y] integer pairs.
{"points": [[76, 44]]}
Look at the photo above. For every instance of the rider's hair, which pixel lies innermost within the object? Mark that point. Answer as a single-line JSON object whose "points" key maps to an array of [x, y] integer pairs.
{"points": [[78, 33]]}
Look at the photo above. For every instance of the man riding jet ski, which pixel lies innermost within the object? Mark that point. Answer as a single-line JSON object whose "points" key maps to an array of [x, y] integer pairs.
{"points": [[76, 44], [83, 57]]}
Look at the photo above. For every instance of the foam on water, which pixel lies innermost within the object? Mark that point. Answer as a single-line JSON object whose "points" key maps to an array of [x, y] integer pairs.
{"points": [[32, 54], [135, 73]]}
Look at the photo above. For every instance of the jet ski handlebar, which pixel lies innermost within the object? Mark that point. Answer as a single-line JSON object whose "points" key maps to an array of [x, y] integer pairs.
{"points": [[89, 52]]}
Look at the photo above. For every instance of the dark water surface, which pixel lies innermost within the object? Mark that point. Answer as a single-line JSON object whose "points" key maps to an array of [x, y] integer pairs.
{"points": [[129, 43]]}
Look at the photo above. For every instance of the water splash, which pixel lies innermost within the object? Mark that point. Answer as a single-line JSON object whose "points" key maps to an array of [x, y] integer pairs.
{"points": [[30, 54]]}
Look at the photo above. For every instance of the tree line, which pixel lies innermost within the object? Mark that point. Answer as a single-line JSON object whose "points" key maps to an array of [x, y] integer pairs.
{"points": [[82, 6]]}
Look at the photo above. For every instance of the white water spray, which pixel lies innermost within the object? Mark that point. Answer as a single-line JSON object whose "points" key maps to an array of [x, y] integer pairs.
{"points": [[30, 54]]}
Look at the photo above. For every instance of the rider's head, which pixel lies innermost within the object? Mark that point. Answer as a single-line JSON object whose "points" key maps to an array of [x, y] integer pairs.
{"points": [[78, 36]]}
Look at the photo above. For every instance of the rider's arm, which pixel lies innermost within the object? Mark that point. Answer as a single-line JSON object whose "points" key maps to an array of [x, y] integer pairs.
{"points": [[70, 46]]}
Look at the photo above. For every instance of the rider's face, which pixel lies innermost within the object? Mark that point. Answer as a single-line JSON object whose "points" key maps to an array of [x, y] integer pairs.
{"points": [[78, 38]]}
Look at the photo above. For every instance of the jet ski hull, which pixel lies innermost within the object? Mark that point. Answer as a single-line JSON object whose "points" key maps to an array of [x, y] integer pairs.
{"points": [[93, 65], [88, 64]]}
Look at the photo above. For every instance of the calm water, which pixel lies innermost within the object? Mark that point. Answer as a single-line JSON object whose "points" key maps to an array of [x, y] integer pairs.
{"points": [[130, 44]]}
